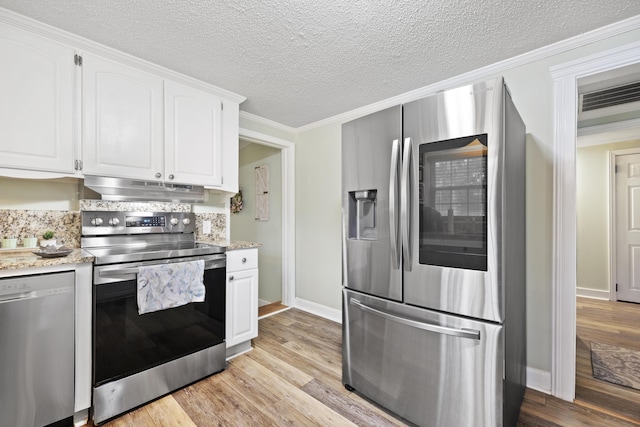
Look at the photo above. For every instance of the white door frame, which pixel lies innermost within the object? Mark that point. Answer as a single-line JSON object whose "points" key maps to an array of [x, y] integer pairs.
{"points": [[565, 87], [287, 150], [613, 232]]}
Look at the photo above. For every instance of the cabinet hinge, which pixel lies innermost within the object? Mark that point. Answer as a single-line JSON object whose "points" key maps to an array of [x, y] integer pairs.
{"points": [[617, 169], [222, 106], [616, 287], [77, 59]]}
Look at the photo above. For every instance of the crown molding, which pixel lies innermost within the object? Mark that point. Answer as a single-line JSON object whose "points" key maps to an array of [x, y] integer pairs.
{"points": [[259, 119], [82, 45]]}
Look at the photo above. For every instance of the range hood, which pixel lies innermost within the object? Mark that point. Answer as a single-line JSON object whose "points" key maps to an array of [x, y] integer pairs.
{"points": [[122, 189]]}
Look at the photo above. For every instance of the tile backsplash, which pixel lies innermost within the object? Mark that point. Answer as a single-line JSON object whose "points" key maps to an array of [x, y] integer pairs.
{"points": [[66, 224], [31, 223]]}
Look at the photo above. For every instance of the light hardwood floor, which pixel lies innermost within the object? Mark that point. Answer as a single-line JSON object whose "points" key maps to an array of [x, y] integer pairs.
{"points": [[607, 322], [269, 309], [293, 377]]}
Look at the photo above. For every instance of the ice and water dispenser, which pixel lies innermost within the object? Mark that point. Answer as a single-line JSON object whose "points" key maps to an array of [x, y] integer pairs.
{"points": [[362, 215]]}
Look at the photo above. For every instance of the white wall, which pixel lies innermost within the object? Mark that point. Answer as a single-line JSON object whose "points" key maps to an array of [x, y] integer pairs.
{"points": [[39, 194], [593, 214], [318, 218], [269, 233]]}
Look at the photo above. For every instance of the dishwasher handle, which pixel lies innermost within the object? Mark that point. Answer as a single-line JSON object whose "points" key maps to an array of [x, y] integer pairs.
{"points": [[16, 296], [462, 332]]}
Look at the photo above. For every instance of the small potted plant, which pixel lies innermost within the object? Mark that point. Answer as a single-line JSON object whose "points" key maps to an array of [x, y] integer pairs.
{"points": [[48, 239]]}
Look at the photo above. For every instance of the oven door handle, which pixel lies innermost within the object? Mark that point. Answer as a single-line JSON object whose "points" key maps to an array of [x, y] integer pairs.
{"points": [[114, 272]]}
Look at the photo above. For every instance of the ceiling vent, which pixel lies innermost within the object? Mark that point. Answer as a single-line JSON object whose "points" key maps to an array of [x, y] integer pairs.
{"points": [[610, 97], [616, 101]]}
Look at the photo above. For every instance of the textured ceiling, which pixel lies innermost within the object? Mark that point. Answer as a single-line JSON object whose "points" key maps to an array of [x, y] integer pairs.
{"points": [[300, 61]]}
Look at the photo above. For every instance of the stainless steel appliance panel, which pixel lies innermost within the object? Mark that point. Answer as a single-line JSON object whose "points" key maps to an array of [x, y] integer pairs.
{"points": [[126, 343], [514, 266], [36, 349], [431, 368], [469, 110], [371, 150], [115, 397]]}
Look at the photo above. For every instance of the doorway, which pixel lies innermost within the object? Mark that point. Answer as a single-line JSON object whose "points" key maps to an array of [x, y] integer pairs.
{"points": [[600, 319], [259, 218], [565, 77], [283, 222], [626, 224]]}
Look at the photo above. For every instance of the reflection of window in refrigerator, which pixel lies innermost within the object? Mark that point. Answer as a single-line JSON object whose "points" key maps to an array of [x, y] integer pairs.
{"points": [[421, 193], [458, 185]]}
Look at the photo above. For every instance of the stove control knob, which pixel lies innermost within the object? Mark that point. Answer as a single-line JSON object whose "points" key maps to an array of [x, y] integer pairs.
{"points": [[96, 221], [186, 221], [174, 221], [114, 221]]}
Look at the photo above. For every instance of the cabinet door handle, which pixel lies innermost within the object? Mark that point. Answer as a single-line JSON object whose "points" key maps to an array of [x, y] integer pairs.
{"points": [[171, 176], [230, 278], [158, 175], [244, 260]]}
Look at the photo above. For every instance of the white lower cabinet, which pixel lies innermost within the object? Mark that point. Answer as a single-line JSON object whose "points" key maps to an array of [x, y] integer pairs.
{"points": [[242, 300]]}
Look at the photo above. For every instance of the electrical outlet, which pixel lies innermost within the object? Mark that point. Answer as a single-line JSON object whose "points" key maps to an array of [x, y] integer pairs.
{"points": [[206, 227]]}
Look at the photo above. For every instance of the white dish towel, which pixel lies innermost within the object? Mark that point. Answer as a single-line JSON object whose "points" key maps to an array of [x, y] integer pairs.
{"points": [[165, 286]]}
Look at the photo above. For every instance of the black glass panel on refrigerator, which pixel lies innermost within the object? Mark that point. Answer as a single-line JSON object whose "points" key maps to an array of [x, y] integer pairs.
{"points": [[453, 203]]}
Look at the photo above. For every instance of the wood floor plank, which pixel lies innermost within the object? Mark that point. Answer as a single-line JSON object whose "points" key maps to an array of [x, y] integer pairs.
{"points": [[289, 373], [270, 309], [348, 408], [137, 418], [166, 412], [303, 403], [299, 361], [217, 404]]}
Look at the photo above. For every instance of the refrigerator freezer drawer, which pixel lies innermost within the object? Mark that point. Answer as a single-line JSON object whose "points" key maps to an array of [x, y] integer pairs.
{"points": [[430, 368]]}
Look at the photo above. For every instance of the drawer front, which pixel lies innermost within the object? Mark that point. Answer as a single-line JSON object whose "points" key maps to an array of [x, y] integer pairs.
{"points": [[421, 364], [242, 259]]}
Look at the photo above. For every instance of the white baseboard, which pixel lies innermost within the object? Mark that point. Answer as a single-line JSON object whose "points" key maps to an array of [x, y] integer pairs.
{"points": [[539, 380], [593, 293], [319, 309], [262, 302]]}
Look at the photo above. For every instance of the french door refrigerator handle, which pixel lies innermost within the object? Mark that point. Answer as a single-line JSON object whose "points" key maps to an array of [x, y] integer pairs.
{"points": [[405, 204], [393, 203], [461, 333]]}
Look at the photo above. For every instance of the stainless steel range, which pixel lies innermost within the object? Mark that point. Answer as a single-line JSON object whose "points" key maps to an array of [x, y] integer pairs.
{"points": [[146, 345]]}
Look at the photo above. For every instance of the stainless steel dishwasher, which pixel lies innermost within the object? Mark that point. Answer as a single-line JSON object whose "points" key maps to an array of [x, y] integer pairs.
{"points": [[36, 350]]}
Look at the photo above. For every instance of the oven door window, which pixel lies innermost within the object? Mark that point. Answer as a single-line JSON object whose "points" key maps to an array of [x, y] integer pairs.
{"points": [[126, 342], [453, 203]]}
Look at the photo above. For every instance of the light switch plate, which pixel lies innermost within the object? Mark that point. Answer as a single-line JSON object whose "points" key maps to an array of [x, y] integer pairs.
{"points": [[206, 227]]}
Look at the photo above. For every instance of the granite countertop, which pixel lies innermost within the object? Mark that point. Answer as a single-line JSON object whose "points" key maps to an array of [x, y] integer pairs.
{"points": [[238, 244], [24, 258], [233, 244]]}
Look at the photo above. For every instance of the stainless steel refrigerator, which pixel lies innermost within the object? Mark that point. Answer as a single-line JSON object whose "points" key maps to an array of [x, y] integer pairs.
{"points": [[433, 198]]}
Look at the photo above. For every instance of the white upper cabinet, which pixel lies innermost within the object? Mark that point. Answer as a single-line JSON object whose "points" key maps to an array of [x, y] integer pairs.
{"points": [[123, 135], [193, 135], [36, 102], [109, 115]]}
